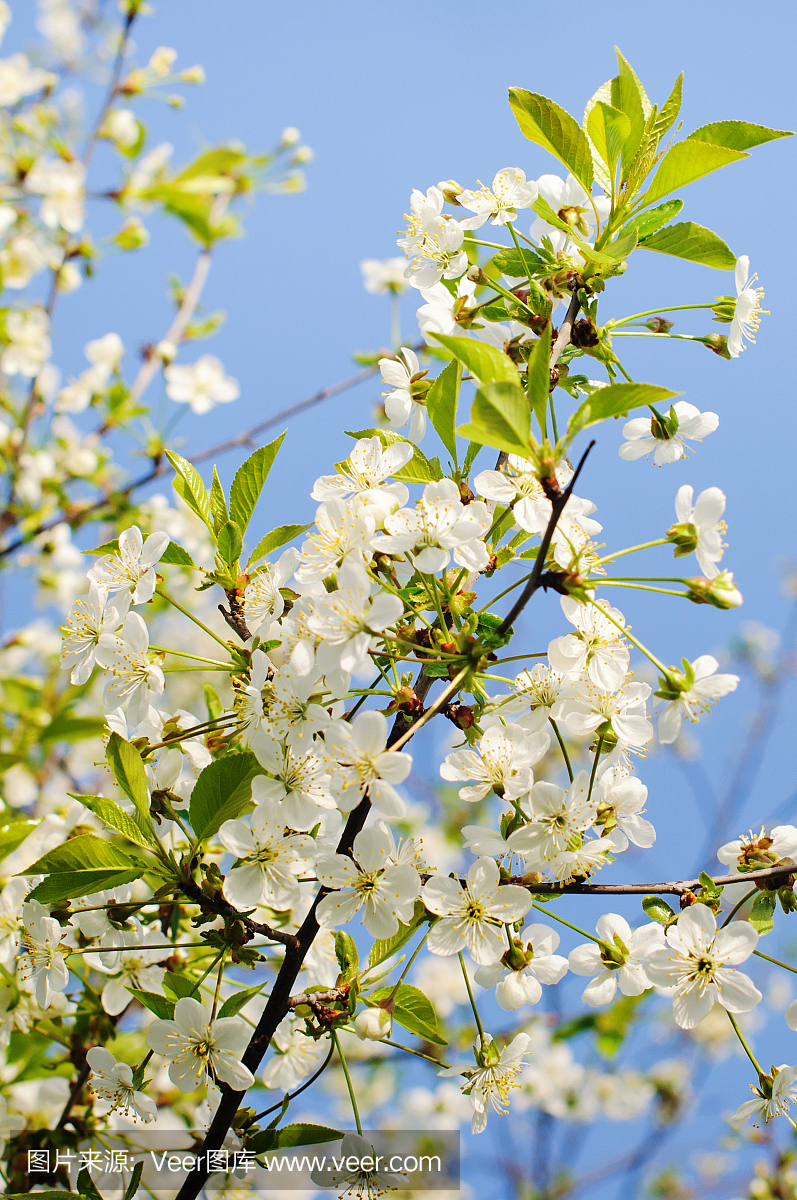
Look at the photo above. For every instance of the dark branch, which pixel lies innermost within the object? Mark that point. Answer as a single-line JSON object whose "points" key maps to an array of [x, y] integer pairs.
{"points": [[676, 888]]}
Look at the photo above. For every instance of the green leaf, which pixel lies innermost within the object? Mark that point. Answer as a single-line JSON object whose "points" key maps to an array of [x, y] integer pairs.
{"points": [[544, 122], [87, 1187], [762, 911], [486, 363], [684, 163], [111, 547], [737, 135], [14, 834], [135, 1180], [130, 773], [159, 1005], [441, 405], [347, 956], [233, 1004], [188, 484], [500, 417], [110, 812], [693, 242], [650, 222], [670, 109], [278, 537], [628, 96], [616, 400], [230, 543], [248, 482], [83, 865], [472, 454], [287, 1137], [175, 556], [539, 377], [218, 505], [414, 1011], [386, 947], [178, 985], [221, 792], [515, 262], [658, 909], [67, 728], [609, 129], [420, 469]]}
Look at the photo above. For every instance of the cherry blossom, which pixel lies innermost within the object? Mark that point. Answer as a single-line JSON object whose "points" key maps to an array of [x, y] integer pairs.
{"points": [[618, 961], [369, 883], [473, 916], [196, 1046]]}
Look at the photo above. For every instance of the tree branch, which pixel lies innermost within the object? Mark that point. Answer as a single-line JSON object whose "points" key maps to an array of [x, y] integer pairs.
{"points": [[676, 888]]}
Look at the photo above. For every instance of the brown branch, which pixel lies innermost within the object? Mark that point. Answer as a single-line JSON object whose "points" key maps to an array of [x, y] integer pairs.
{"points": [[312, 998], [220, 906], [676, 888]]}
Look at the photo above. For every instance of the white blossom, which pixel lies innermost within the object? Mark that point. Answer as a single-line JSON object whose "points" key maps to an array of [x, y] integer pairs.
{"points": [[572, 205], [698, 964], [433, 241], [382, 275], [91, 616], [698, 694], [621, 713], [503, 762], [782, 1094], [746, 316], [11, 1124], [41, 968], [62, 185], [438, 525], [509, 192], [300, 782], [263, 600], [269, 862], [363, 762], [705, 519], [369, 883], [363, 476], [132, 679], [642, 437], [136, 967], [619, 811], [29, 345], [597, 646], [517, 978], [473, 916], [349, 618], [203, 384], [342, 537], [112, 1082], [618, 962], [196, 1046], [296, 1055], [400, 373], [18, 79], [488, 1086], [132, 570]]}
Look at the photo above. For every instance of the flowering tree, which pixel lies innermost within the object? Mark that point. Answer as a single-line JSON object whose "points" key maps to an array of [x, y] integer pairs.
{"points": [[235, 900]]}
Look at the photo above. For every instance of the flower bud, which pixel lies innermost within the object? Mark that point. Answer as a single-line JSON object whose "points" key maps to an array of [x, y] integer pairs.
{"points": [[718, 343], [302, 154], [132, 235], [195, 74], [166, 350], [659, 325], [451, 190], [721, 591], [289, 136], [161, 61], [373, 1024]]}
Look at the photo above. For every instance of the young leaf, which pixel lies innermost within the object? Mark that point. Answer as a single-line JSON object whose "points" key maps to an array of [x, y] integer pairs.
{"points": [[111, 547], [86, 1186], [347, 956], [221, 792], [286, 1138], [175, 556], [414, 1011], [83, 865], [616, 400], [658, 909], [218, 505], [670, 109], [684, 163], [441, 405], [159, 1005], [539, 377], [188, 484], [500, 417], [737, 135], [130, 773], [419, 469], [386, 947], [110, 812], [135, 1180], [248, 482], [178, 985], [762, 912], [650, 222], [693, 242], [230, 543], [486, 363], [555, 130], [609, 129], [629, 97], [471, 455], [233, 1004], [14, 834], [278, 537]]}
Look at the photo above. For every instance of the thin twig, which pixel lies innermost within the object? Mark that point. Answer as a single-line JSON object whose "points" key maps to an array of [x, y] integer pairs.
{"points": [[675, 888]]}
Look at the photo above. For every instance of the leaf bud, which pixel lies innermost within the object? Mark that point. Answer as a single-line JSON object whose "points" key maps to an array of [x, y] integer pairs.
{"points": [[720, 591]]}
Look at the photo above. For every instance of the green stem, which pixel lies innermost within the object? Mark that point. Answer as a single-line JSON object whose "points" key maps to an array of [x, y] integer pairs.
{"points": [[176, 670], [735, 910], [490, 246], [562, 921], [292, 1095], [746, 1048], [417, 1053], [631, 550], [623, 629], [553, 420], [341, 1056], [563, 748], [639, 587], [598, 749], [415, 954], [218, 986], [165, 596], [653, 312], [523, 579], [183, 654], [476, 1016], [204, 976], [776, 961]]}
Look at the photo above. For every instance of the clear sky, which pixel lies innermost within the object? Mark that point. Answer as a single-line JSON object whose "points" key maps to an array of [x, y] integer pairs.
{"points": [[399, 95]]}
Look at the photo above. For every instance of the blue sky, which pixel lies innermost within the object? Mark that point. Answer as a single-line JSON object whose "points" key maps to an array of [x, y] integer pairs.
{"points": [[394, 96]]}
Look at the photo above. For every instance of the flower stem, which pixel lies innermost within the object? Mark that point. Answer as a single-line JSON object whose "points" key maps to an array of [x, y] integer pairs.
{"points": [[477, 1018], [218, 985], [183, 654], [414, 955], [349, 1085], [541, 908], [417, 1053], [563, 748], [735, 910], [776, 961], [598, 749], [626, 633], [745, 1047], [165, 596], [652, 312], [631, 550]]}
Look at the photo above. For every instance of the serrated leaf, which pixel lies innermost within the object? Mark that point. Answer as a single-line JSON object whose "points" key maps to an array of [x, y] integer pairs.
{"points": [[248, 482], [608, 129], [486, 363], [135, 1180], [420, 469], [278, 537], [413, 1011], [441, 405], [670, 109], [230, 543], [761, 913], [221, 792], [544, 122], [81, 866], [629, 97], [384, 948], [188, 484], [159, 1005], [110, 812], [694, 243], [617, 399], [174, 555], [539, 377], [87, 1187], [500, 417], [233, 1004], [650, 222], [299, 1134], [130, 773], [218, 504], [737, 135], [684, 163], [178, 985]]}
